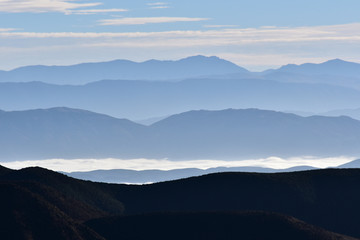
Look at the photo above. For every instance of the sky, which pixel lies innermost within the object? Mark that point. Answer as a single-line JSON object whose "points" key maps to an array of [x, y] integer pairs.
{"points": [[255, 34]]}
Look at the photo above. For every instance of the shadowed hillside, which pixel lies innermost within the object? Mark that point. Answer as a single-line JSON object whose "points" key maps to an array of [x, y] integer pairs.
{"points": [[26, 215], [325, 198], [209, 226]]}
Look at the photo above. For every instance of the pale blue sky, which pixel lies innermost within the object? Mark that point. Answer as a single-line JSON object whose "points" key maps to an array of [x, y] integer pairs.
{"points": [[256, 34]]}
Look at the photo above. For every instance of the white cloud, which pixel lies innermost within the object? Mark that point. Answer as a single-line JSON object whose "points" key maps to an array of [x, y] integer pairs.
{"points": [[147, 20], [164, 164], [39, 6]]}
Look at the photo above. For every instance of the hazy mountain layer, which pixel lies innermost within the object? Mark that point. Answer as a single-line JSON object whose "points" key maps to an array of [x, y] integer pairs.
{"points": [[212, 83], [227, 134], [123, 69], [143, 99]]}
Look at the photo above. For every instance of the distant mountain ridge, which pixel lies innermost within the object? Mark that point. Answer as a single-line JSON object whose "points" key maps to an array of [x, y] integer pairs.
{"points": [[79, 74], [335, 72], [144, 99], [226, 134], [332, 67]]}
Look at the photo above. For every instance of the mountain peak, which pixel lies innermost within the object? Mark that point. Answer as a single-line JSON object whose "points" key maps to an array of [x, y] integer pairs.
{"points": [[336, 67]]}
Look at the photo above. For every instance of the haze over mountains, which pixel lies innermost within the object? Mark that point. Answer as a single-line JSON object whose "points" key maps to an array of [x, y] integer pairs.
{"points": [[227, 134], [82, 111], [201, 83], [143, 99]]}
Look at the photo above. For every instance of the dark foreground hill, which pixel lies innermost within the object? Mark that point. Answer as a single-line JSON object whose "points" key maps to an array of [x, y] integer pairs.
{"points": [[39, 204], [210, 226], [325, 198], [226, 134]]}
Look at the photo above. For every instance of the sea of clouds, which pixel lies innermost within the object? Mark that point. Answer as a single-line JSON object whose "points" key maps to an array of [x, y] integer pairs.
{"points": [[73, 165]]}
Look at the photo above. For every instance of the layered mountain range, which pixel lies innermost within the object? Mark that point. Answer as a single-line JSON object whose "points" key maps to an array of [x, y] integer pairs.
{"points": [[161, 88]]}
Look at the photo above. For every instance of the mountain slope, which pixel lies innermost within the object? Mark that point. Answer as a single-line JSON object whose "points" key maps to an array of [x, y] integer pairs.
{"points": [[123, 69]]}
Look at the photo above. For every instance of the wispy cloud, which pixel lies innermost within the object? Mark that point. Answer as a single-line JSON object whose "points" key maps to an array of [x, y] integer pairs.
{"points": [[220, 26], [40, 6], [347, 32], [148, 20], [96, 11], [164, 164], [265, 47], [8, 29], [158, 5]]}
